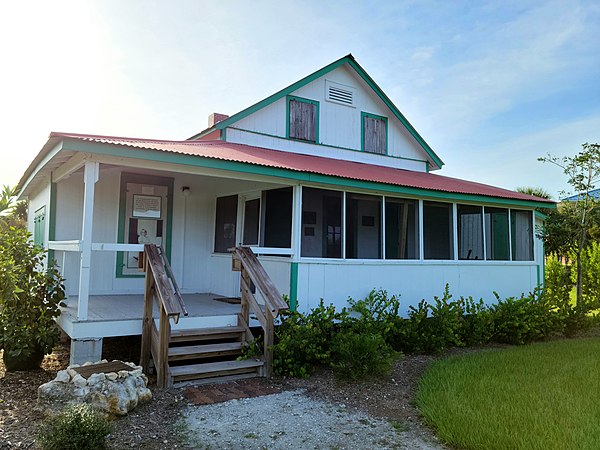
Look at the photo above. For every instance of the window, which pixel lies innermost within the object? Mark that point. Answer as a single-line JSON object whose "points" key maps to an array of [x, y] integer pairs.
{"points": [[437, 230], [401, 229], [39, 226], [225, 223], [303, 119], [321, 223], [470, 232], [374, 133], [277, 218], [251, 221], [363, 226], [521, 227], [496, 234]]}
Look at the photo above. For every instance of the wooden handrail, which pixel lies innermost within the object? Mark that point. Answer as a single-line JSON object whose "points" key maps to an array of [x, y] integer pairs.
{"points": [[254, 274], [170, 305]]}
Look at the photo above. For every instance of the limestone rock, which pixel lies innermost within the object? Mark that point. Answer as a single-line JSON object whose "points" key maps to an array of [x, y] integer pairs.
{"points": [[62, 376], [111, 376], [79, 381]]}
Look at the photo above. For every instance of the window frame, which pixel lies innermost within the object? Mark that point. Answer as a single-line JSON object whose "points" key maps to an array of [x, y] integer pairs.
{"points": [[291, 98], [363, 116]]}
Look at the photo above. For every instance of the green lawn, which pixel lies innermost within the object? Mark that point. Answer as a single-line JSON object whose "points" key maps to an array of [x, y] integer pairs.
{"points": [[540, 396]]}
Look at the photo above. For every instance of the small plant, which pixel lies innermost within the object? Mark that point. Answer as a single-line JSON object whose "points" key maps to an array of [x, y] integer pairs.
{"points": [[356, 356], [377, 314], [78, 427], [478, 324]]}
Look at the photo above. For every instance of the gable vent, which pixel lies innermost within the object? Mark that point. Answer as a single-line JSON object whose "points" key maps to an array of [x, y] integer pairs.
{"points": [[338, 93]]}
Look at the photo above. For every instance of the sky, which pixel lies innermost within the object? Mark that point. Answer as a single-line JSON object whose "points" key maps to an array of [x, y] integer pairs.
{"points": [[490, 85]]}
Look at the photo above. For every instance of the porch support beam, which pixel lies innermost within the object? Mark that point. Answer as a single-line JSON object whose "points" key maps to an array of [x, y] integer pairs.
{"points": [[70, 166], [297, 221], [90, 177]]}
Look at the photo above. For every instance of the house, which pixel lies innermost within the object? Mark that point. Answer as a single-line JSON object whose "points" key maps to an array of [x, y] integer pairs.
{"points": [[326, 180]]}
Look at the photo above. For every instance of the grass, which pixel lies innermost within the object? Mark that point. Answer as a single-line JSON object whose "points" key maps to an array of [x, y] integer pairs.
{"points": [[541, 396]]}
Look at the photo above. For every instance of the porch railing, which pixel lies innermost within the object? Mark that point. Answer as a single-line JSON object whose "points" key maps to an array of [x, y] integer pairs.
{"points": [[254, 280], [161, 290]]}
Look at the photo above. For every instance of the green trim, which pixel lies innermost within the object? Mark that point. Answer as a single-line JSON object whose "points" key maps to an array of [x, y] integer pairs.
{"points": [[427, 166], [290, 98], [321, 144], [540, 215], [127, 177], [306, 177], [52, 219], [294, 286], [223, 134], [363, 115], [308, 79]]}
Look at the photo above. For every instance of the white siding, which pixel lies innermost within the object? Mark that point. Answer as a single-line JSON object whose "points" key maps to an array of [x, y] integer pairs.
{"points": [[335, 282], [339, 125]]}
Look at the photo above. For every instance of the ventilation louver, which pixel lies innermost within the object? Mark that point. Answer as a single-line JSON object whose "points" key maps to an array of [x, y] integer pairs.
{"points": [[339, 93]]}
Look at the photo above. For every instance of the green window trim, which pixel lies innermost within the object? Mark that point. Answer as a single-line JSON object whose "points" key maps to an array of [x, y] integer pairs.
{"points": [[363, 116], [39, 226], [127, 177], [290, 98]]}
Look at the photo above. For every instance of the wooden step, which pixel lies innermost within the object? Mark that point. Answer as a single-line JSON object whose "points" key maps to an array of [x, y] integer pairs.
{"points": [[204, 351], [218, 369], [204, 334]]}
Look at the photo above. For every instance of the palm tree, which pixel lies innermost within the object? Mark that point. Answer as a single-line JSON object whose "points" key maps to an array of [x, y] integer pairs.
{"points": [[535, 191]]}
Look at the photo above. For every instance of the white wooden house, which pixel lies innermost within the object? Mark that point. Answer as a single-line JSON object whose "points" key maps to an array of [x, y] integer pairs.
{"points": [[326, 179]]}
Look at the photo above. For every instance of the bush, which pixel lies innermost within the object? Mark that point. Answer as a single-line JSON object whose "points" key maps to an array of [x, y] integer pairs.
{"points": [[356, 356], [29, 296], [478, 323], [303, 342], [78, 427], [522, 320]]}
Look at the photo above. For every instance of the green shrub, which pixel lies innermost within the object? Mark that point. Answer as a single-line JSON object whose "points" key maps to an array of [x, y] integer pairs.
{"points": [[78, 427], [356, 356], [522, 320], [29, 296], [478, 323], [303, 342], [432, 328], [375, 314]]}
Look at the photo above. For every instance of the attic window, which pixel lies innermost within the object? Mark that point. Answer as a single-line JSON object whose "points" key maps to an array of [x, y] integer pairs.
{"points": [[374, 133], [303, 119], [339, 93]]}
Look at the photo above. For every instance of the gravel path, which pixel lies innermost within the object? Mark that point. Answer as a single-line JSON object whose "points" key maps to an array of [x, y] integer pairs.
{"points": [[292, 420]]}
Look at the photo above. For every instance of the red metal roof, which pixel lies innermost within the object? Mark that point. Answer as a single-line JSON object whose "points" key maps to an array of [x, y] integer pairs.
{"points": [[242, 153]]}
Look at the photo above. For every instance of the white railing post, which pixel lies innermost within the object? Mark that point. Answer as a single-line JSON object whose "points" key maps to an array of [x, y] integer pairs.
{"points": [[90, 177]]}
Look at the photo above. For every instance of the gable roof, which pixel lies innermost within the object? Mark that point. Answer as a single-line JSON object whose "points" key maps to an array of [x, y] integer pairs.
{"points": [[594, 193], [348, 59], [307, 168]]}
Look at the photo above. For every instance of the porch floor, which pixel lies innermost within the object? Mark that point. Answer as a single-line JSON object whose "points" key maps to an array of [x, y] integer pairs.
{"points": [[103, 308], [121, 315]]}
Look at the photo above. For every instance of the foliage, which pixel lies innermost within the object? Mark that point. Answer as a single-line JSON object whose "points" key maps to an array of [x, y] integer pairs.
{"points": [[506, 399], [478, 323], [356, 356], [590, 282], [78, 427], [432, 328], [520, 320], [569, 229], [535, 191], [12, 213], [303, 341], [375, 314], [29, 296]]}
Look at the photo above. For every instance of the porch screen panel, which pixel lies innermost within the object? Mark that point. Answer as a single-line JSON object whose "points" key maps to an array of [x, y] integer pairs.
{"points": [[303, 120], [321, 223], [251, 222], [363, 226], [521, 224], [438, 240], [470, 232], [225, 223], [496, 234], [401, 229], [277, 230]]}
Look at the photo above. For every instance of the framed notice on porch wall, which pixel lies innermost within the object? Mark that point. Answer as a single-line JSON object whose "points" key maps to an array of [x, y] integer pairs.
{"points": [[145, 217]]}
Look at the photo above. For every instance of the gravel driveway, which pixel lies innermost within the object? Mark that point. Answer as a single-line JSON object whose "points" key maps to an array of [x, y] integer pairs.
{"points": [[292, 420]]}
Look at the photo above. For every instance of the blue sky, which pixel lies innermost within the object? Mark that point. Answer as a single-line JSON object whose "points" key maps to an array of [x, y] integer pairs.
{"points": [[491, 85]]}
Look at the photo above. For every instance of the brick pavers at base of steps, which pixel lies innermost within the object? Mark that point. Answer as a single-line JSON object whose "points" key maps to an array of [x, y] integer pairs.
{"points": [[223, 392]]}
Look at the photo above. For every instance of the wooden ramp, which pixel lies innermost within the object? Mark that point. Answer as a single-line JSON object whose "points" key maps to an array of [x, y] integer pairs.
{"points": [[205, 355]]}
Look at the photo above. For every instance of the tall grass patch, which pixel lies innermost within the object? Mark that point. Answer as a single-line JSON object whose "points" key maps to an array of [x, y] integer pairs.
{"points": [[542, 396]]}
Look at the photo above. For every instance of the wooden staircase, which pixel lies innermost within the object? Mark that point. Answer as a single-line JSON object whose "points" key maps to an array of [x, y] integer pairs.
{"points": [[204, 355]]}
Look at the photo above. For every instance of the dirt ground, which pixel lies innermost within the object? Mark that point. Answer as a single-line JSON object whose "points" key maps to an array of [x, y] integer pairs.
{"points": [[157, 425]]}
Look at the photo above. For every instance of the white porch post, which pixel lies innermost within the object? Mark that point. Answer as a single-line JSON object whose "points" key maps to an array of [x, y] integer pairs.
{"points": [[90, 177]]}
